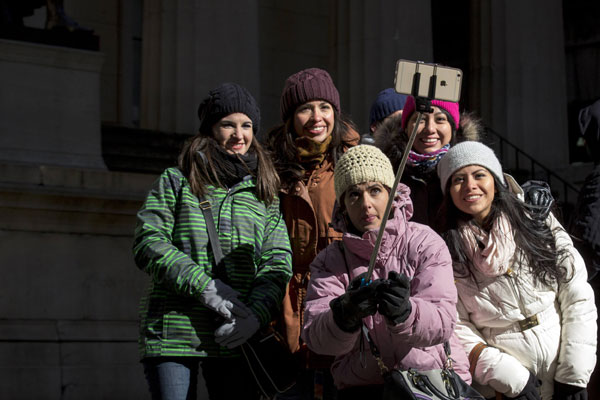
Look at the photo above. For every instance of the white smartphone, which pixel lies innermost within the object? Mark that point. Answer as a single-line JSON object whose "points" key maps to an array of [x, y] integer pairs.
{"points": [[448, 80]]}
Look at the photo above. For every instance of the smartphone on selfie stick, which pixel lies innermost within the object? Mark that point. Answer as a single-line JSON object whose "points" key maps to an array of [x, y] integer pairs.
{"points": [[425, 82]]}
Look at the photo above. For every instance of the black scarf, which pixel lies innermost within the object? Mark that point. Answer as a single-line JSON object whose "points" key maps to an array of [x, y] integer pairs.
{"points": [[232, 168]]}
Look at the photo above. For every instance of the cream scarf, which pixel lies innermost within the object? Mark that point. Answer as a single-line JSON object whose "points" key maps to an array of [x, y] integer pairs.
{"points": [[490, 252]]}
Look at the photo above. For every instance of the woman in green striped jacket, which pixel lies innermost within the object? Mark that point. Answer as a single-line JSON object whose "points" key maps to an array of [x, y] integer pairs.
{"points": [[195, 313]]}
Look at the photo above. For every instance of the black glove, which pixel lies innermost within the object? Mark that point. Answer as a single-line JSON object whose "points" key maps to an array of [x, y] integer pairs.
{"points": [[530, 391], [538, 195], [562, 391], [358, 302], [393, 296]]}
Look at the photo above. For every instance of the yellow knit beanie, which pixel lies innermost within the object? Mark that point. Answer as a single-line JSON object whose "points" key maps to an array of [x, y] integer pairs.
{"points": [[361, 164]]}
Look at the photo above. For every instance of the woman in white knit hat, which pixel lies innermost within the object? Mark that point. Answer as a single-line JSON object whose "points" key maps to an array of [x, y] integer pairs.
{"points": [[527, 317], [410, 306]]}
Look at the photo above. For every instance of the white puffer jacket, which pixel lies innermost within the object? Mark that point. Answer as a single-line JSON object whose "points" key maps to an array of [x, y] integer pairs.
{"points": [[561, 347]]}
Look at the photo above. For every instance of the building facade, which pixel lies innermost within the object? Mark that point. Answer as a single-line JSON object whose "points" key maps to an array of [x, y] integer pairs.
{"points": [[84, 132]]}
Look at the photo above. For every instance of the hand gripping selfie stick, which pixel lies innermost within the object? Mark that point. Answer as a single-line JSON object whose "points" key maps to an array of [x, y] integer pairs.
{"points": [[423, 105]]}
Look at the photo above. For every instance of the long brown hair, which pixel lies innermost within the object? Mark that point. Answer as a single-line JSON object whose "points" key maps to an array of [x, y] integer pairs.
{"points": [[200, 167], [282, 147]]}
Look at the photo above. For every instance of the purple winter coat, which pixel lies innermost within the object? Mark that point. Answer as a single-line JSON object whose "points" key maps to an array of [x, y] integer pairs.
{"points": [[407, 247]]}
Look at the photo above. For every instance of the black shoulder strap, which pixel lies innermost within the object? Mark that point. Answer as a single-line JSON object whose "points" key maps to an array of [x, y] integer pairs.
{"points": [[213, 237], [205, 206]]}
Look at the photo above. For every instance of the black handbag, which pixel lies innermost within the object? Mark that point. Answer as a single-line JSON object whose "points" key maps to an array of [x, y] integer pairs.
{"points": [[411, 384], [270, 361]]}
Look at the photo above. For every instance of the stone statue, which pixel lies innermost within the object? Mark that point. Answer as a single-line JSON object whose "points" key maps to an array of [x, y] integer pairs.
{"points": [[12, 13]]}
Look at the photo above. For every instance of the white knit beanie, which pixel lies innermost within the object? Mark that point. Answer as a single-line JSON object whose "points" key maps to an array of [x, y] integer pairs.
{"points": [[363, 163], [468, 153]]}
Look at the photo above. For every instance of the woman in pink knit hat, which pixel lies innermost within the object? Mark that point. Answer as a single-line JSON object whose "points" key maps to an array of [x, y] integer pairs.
{"points": [[305, 148], [436, 133]]}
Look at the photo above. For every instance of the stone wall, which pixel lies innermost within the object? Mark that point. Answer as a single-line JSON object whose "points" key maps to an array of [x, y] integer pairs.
{"points": [[70, 289]]}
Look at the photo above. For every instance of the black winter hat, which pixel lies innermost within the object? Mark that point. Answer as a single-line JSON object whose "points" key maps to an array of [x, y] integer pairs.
{"points": [[228, 98], [387, 102]]}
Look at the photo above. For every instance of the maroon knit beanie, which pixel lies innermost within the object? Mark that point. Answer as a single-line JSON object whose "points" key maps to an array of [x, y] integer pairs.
{"points": [[307, 85]]}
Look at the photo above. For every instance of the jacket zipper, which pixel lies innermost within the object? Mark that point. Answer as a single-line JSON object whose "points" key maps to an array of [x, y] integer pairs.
{"points": [[527, 322], [512, 280]]}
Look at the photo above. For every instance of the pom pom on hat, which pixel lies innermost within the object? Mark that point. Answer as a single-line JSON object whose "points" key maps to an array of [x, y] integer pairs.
{"points": [[307, 85], [450, 107], [363, 163], [225, 99], [387, 102], [468, 153]]}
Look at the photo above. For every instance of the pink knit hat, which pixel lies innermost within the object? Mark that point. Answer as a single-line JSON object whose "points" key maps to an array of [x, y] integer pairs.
{"points": [[451, 108], [307, 85]]}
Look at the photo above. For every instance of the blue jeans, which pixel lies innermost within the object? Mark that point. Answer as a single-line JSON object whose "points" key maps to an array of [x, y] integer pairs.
{"points": [[176, 378], [172, 378]]}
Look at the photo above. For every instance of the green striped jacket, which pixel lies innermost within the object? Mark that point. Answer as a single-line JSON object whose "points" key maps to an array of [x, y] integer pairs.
{"points": [[171, 245]]}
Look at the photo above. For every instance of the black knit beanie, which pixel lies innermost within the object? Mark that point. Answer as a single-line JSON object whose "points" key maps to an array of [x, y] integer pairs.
{"points": [[228, 98]]}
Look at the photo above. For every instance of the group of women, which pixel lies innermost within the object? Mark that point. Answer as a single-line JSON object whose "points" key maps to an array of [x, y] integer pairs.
{"points": [[297, 217]]}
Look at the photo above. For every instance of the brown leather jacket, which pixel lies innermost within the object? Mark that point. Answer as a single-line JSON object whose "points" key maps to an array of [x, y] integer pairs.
{"points": [[307, 210]]}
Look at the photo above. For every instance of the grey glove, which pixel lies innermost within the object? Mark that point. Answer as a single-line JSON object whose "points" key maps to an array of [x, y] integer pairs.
{"points": [[222, 299], [539, 196], [236, 332]]}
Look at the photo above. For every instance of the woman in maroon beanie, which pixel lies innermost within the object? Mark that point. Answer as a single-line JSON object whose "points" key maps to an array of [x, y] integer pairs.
{"points": [[305, 148]]}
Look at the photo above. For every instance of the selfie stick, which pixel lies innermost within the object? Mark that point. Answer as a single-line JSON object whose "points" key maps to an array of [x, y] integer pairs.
{"points": [[423, 105]]}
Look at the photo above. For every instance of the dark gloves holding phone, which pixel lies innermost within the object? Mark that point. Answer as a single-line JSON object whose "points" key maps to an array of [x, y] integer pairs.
{"points": [[358, 302], [562, 391], [530, 391], [393, 296], [538, 195]]}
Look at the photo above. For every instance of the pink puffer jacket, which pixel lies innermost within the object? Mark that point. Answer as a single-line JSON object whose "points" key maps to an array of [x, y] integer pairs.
{"points": [[408, 247]]}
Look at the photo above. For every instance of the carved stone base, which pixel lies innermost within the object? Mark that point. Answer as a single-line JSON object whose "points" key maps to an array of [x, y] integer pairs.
{"points": [[50, 104]]}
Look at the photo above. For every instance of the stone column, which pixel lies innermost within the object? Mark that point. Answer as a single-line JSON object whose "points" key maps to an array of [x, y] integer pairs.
{"points": [[519, 83], [189, 47], [367, 39]]}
